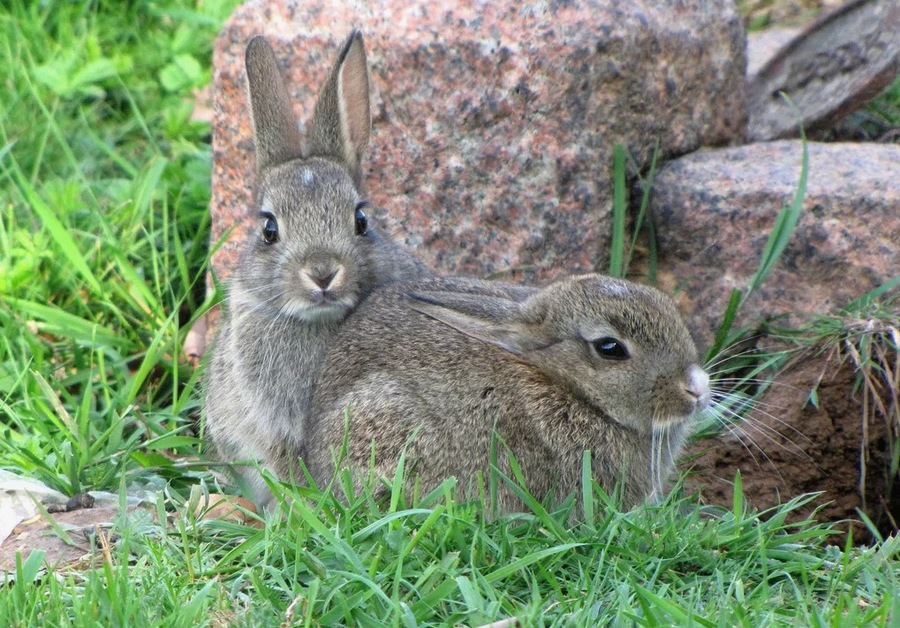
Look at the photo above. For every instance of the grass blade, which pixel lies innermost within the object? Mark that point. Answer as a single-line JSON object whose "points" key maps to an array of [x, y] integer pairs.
{"points": [[784, 225], [620, 211], [62, 324], [61, 236], [722, 333], [517, 565], [587, 488]]}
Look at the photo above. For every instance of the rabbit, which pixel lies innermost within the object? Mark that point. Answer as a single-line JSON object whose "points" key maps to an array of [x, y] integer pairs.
{"points": [[432, 368], [312, 258]]}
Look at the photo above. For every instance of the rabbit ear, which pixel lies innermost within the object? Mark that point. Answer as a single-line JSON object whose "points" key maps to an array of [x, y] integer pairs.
{"points": [[342, 120], [275, 129], [495, 320]]}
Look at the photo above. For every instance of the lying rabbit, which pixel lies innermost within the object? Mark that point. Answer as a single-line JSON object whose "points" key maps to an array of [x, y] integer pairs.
{"points": [[310, 261], [587, 363]]}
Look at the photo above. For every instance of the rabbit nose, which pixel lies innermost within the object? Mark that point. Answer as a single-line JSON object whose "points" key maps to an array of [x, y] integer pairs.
{"points": [[323, 278], [698, 386]]}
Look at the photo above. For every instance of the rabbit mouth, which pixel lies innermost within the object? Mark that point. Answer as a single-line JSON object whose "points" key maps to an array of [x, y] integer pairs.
{"points": [[319, 308], [682, 407], [677, 419], [673, 422]]}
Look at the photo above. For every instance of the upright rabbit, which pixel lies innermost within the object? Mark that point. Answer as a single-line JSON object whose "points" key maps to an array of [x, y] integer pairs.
{"points": [[312, 258], [587, 363]]}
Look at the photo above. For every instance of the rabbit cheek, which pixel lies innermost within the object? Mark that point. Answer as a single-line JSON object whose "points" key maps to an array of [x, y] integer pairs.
{"points": [[678, 400]]}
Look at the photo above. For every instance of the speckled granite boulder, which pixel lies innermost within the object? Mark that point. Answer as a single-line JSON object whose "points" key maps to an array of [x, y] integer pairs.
{"points": [[714, 210], [494, 122]]}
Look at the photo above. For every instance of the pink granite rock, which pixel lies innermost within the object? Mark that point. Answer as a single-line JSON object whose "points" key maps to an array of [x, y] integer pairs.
{"points": [[494, 122], [714, 210]]}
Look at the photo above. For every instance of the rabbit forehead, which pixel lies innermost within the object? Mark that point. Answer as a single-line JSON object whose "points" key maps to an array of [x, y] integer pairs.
{"points": [[306, 187]]}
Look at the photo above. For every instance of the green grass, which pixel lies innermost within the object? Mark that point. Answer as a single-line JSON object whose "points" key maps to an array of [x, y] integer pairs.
{"points": [[327, 562], [104, 188]]}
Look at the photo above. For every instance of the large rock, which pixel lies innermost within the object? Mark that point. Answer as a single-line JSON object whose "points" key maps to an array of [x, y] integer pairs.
{"points": [[494, 122], [715, 209]]}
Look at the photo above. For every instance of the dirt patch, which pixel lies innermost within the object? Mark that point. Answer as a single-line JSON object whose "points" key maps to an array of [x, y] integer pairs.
{"points": [[791, 447]]}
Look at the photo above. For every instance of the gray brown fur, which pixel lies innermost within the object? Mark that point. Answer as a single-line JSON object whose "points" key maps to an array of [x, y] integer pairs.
{"points": [[437, 365], [286, 300]]}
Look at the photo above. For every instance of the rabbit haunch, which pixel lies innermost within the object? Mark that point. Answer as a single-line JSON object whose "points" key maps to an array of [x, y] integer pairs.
{"points": [[587, 363], [312, 259]]}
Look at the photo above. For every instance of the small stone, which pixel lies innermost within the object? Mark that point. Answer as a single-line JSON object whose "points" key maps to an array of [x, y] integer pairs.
{"points": [[833, 67]]}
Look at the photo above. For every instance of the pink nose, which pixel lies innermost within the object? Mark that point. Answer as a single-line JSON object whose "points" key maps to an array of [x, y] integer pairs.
{"points": [[324, 280], [698, 386]]}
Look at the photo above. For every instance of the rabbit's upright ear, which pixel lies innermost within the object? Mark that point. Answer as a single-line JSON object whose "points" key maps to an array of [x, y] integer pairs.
{"points": [[494, 320], [275, 130], [342, 120]]}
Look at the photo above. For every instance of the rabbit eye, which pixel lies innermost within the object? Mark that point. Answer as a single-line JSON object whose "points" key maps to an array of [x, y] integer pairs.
{"points": [[269, 229], [610, 348], [362, 224]]}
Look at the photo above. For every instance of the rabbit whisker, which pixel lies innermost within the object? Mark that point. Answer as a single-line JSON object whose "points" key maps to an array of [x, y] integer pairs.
{"points": [[740, 435], [724, 356], [247, 295], [752, 381], [743, 436], [754, 405], [253, 306]]}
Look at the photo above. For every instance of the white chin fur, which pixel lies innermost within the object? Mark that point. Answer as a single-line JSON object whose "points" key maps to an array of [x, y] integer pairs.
{"points": [[308, 313], [673, 424]]}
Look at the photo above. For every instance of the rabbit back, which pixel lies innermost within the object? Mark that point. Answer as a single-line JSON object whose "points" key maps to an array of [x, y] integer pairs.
{"points": [[409, 380]]}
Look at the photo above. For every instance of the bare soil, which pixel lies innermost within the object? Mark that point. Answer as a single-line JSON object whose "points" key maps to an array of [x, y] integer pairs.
{"points": [[790, 447]]}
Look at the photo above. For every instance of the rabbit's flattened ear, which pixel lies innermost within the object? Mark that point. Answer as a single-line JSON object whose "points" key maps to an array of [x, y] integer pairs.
{"points": [[494, 320], [275, 130], [342, 121]]}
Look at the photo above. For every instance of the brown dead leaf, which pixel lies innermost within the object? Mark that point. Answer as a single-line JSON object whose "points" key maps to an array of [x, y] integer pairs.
{"points": [[227, 508], [195, 341]]}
